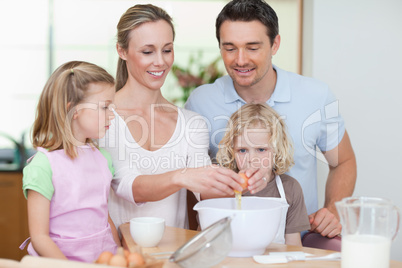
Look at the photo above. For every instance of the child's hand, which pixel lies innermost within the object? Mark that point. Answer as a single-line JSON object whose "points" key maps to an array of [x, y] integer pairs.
{"points": [[256, 179]]}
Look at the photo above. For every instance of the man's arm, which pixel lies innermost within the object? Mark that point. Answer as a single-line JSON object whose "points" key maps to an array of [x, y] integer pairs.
{"points": [[340, 183], [342, 173]]}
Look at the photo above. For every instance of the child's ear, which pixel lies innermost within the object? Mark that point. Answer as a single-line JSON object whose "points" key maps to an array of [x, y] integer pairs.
{"points": [[75, 115], [73, 110]]}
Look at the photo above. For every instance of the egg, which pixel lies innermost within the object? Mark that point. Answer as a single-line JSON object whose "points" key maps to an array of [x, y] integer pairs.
{"points": [[135, 259], [126, 253], [118, 260], [244, 185], [104, 257]]}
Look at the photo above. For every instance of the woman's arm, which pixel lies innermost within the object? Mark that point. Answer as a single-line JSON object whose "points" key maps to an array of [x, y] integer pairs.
{"points": [[293, 239], [38, 223], [131, 185], [199, 176], [210, 181]]}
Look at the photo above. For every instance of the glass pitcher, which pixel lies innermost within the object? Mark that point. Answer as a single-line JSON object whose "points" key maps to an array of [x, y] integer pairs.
{"points": [[369, 225]]}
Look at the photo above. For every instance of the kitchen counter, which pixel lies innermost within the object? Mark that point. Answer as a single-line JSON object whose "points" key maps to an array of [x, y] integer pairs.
{"points": [[174, 238], [13, 215]]}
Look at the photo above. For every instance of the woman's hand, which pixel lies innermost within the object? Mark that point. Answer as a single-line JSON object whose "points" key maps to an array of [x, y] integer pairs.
{"points": [[211, 181]]}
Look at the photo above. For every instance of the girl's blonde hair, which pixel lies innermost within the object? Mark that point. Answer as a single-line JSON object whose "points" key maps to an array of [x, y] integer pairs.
{"points": [[261, 115], [65, 88], [134, 17]]}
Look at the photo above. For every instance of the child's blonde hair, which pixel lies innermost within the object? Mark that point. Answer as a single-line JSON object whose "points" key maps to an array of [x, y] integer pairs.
{"points": [[65, 88], [257, 115]]}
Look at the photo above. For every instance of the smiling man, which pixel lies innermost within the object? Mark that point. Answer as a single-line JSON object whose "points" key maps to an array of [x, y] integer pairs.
{"points": [[248, 36]]}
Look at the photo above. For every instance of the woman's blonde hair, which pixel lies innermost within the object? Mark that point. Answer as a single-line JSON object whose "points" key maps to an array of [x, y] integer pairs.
{"points": [[261, 115], [131, 19], [65, 88]]}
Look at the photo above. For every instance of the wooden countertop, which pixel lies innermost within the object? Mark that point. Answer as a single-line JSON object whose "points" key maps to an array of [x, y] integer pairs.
{"points": [[174, 238]]}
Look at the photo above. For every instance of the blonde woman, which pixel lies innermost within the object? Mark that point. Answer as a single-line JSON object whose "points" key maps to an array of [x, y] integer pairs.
{"points": [[159, 151], [256, 138]]}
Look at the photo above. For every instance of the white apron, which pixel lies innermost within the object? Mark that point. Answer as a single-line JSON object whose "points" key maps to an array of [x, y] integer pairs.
{"points": [[280, 235]]}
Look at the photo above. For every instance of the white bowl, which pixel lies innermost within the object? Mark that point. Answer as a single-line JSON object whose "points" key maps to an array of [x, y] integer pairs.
{"points": [[147, 231], [254, 227]]}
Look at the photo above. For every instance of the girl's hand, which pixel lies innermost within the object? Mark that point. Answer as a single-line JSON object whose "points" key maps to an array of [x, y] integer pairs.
{"points": [[211, 181], [257, 179]]}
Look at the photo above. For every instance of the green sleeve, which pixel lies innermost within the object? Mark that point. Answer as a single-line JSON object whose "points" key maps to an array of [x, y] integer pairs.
{"points": [[37, 176], [109, 160]]}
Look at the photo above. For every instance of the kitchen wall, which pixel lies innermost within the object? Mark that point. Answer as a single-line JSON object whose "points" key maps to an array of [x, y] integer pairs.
{"points": [[355, 47], [38, 36]]}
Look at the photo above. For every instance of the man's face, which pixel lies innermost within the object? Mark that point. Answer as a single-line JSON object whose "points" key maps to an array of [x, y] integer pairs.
{"points": [[246, 51]]}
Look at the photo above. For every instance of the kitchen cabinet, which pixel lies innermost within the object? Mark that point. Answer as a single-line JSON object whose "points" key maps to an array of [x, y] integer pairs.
{"points": [[13, 215]]}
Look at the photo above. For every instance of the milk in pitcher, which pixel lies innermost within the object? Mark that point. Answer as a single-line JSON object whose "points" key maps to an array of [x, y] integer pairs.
{"points": [[368, 251]]}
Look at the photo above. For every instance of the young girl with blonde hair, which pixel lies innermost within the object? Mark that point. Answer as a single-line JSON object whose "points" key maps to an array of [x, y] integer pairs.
{"points": [[67, 181], [256, 138]]}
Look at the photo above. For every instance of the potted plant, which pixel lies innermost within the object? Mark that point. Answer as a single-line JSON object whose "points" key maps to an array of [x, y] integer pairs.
{"points": [[195, 74]]}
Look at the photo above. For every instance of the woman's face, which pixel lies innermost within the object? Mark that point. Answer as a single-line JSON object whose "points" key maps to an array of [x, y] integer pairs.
{"points": [[150, 54]]}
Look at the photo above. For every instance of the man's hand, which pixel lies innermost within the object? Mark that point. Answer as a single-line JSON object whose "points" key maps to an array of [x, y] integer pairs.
{"points": [[340, 183], [325, 223]]}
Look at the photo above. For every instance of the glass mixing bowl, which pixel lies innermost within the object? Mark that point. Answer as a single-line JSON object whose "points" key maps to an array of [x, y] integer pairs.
{"points": [[207, 248]]}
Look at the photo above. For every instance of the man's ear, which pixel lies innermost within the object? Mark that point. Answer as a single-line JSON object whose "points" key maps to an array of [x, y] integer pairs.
{"points": [[121, 51], [276, 44]]}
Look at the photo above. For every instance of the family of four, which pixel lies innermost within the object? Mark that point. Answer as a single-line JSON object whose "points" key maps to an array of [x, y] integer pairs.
{"points": [[258, 119]]}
